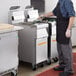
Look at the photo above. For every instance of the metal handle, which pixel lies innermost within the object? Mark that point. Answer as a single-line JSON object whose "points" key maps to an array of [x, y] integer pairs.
{"points": [[0, 38]]}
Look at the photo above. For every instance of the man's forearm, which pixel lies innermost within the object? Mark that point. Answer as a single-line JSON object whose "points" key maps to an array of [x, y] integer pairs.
{"points": [[48, 14], [71, 21], [68, 31]]}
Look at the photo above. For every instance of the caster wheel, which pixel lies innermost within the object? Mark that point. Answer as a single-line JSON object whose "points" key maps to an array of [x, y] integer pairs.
{"points": [[42, 65], [49, 62], [12, 74], [55, 59], [34, 67]]}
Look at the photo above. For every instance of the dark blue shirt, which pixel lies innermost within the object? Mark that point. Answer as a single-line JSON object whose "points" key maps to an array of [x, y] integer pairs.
{"points": [[66, 8]]}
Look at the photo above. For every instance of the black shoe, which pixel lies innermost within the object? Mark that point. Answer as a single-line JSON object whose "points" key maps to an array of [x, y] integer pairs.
{"points": [[65, 73], [59, 68], [71, 72]]}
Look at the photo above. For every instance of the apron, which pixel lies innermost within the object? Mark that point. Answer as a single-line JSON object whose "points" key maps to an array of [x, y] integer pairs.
{"points": [[62, 24]]}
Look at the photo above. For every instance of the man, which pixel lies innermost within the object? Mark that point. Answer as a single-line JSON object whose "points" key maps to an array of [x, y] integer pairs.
{"points": [[65, 17]]}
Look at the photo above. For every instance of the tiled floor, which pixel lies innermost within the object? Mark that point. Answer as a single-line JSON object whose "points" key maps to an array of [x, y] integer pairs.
{"points": [[29, 72], [26, 69]]}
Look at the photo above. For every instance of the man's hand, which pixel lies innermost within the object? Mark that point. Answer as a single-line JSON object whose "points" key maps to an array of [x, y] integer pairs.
{"points": [[41, 17], [68, 33]]}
